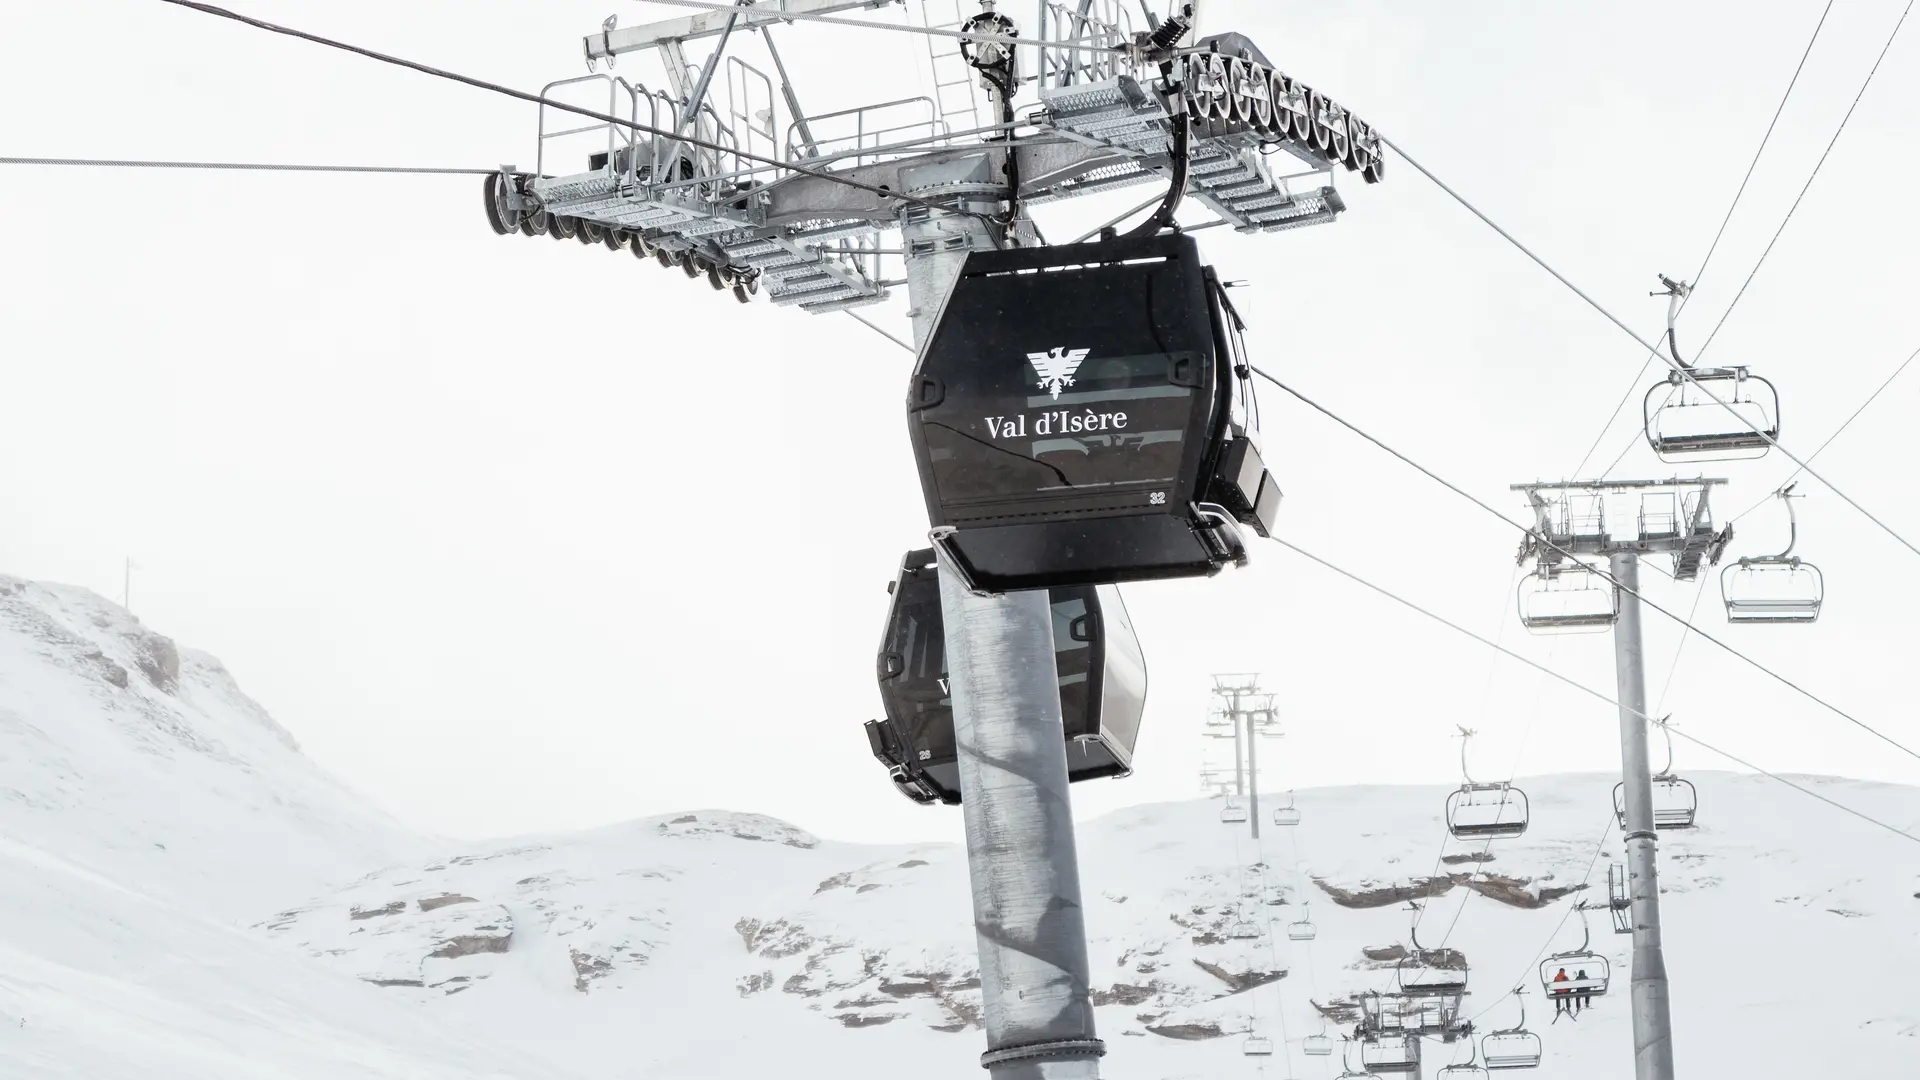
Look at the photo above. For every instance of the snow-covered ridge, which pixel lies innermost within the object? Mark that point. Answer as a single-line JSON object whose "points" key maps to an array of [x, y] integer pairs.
{"points": [[183, 895]]}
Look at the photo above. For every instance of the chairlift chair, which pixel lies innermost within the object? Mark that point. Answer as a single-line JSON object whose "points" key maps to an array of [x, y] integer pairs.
{"points": [[1567, 600], [1514, 1047], [1688, 425], [1510, 1050], [1776, 589], [1597, 971], [1084, 414], [1675, 801], [1102, 675], [1234, 812], [1420, 973], [1320, 1045], [1479, 811], [1302, 929], [1242, 930], [1393, 1054], [1257, 1046], [1288, 814], [1467, 1070]]}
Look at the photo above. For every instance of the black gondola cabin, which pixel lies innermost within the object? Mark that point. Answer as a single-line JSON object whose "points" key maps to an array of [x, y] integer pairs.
{"points": [[1084, 414], [1103, 685]]}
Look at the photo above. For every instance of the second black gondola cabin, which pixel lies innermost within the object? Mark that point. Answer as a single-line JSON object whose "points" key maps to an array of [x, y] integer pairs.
{"points": [[1084, 414], [1103, 685]]}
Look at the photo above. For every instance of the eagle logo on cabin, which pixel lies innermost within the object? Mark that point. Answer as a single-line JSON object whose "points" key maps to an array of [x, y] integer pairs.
{"points": [[1056, 368]]}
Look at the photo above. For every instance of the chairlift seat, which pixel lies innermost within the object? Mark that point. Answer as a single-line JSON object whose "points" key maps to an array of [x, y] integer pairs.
{"points": [[1462, 1072], [1317, 1045], [1081, 414], [1300, 931], [1510, 1050], [1102, 675], [1242, 930], [1257, 1046], [1689, 425], [1286, 815], [1234, 812]]}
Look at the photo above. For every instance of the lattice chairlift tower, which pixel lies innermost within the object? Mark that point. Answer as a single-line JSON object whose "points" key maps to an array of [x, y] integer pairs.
{"points": [[1623, 520]]}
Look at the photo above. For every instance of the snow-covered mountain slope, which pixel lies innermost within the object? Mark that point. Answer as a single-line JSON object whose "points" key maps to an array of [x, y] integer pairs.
{"points": [[145, 803], [144, 763], [712, 944], [183, 895]]}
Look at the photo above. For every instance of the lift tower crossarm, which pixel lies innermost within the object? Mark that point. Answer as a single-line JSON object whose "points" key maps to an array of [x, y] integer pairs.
{"points": [[711, 23]]}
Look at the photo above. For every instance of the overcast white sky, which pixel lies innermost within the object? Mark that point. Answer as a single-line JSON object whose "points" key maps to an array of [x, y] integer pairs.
{"points": [[518, 536]]}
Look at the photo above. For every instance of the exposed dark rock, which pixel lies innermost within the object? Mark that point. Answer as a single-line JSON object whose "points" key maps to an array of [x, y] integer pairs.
{"points": [[1241, 981], [749, 985], [869, 887], [685, 819], [469, 944], [444, 900], [860, 1020], [159, 660], [394, 908], [911, 863], [1125, 994], [396, 982], [1467, 857], [586, 968], [1187, 1032]]}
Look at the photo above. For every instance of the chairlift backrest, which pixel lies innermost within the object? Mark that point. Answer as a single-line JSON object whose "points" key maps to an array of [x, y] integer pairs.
{"points": [[1317, 1045], [1675, 803], [1772, 590], [1102, 675], [1487, 812], [1077, 417]]}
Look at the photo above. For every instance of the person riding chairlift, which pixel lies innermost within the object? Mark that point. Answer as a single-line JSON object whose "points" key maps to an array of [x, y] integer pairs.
{"points": [[1582, 997], [1562, 998]]}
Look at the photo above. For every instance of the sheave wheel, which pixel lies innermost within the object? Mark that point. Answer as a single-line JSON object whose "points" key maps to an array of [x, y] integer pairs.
{"points": [[717, 279], [535, 223], [561, 227], [640, 248], [694, 265], [615, 239], [741, 293], [665, 257], [499, 215]]}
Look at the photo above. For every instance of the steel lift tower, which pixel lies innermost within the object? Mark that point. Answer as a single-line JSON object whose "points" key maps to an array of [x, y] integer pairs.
{"points": [[1621, 520], [717, 170]]}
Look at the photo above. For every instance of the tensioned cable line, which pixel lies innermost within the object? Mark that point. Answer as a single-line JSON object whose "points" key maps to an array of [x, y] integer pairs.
{"points": [[255, 166], [1849, 421], [1810, 178], [538, 99], [1678, 367], [1601, 571], [1722, 231], [1585, 689]]}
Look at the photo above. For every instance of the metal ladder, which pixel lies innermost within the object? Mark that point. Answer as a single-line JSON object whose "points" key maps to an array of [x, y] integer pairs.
{"points": [[956, 85]]}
